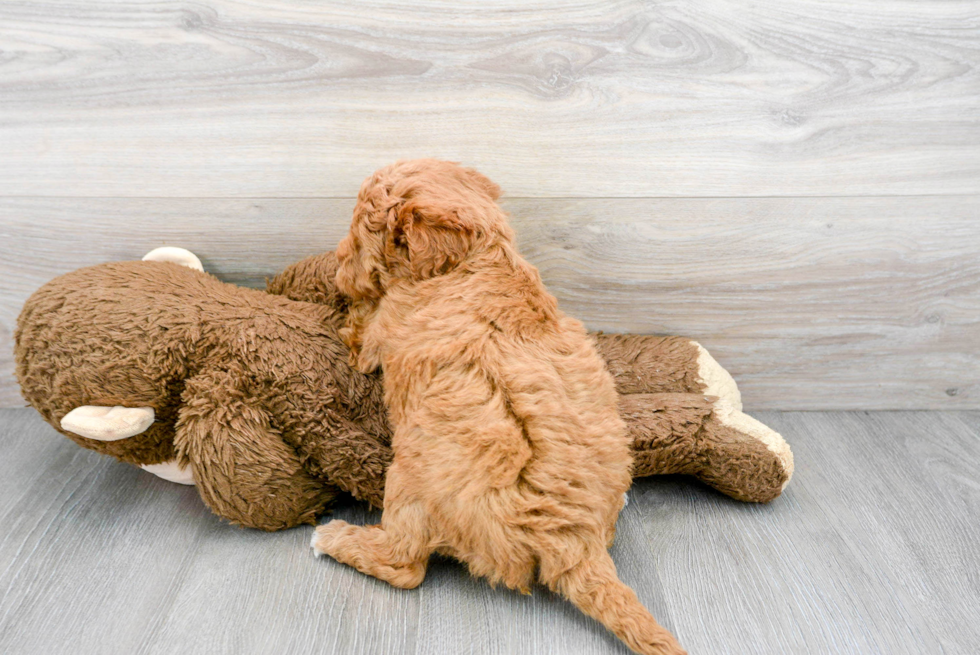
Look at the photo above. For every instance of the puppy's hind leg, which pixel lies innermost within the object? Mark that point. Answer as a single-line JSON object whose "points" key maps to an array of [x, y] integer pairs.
{"points": [[396, 551], [387, 552]]}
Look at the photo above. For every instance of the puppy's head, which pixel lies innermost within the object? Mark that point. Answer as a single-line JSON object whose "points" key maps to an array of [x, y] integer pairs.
{"points": [[415, 220]]}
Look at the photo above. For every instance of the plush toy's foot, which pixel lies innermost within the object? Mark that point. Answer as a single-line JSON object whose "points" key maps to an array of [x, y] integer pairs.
{"points": [[742, 457], [704, 436], [171, 471], [175, 255], [108, 423], [653, 365]]}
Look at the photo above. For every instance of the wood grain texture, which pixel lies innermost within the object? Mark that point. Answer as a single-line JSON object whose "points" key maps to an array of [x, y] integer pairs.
{"points": [[303, 99], [871, 549], [811, 303], [100, 557]]}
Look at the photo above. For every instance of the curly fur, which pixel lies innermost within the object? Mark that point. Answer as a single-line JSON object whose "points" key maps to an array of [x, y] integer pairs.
{"points": [[509, 452]]}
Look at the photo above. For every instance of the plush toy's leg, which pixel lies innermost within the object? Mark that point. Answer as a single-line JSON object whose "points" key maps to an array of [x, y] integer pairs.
{"points": [[244, 470], [664, 428], [175, 255], [742, 457], [339, 450], [697, 435], [396, 551], [648, 364]]}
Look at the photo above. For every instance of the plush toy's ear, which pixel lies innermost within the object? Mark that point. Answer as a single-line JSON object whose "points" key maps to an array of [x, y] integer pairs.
{"points": [[176, 255]]}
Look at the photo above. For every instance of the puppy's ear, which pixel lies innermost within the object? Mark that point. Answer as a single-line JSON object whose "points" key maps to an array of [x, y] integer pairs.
{"points": [[396, 252], [430, 238]]}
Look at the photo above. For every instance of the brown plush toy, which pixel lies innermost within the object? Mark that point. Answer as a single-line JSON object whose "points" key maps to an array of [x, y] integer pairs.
{"points": [[249, 395]]}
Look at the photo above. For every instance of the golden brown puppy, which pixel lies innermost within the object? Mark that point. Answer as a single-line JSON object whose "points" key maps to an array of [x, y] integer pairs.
{"points": [[509, 453]]}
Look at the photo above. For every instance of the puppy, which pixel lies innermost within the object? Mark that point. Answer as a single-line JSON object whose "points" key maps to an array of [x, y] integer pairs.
{"points": [[509, 453]]}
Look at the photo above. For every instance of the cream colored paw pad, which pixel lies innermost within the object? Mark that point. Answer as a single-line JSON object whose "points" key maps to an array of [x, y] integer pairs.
{"points": [[718, 382], [108, 423], [171, 471]]}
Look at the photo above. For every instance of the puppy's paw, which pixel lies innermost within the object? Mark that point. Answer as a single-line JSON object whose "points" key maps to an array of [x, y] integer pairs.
{"points": [[317, 553], [325, 536]]}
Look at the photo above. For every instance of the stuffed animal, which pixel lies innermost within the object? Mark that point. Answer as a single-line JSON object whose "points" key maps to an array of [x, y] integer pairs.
{"points": [[249, 395]]}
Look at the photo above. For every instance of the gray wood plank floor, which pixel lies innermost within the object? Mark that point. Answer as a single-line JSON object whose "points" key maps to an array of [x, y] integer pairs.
{"points": [[872, 549]]}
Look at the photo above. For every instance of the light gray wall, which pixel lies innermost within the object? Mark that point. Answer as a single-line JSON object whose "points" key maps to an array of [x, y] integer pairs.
{"points": [[795, 184]]}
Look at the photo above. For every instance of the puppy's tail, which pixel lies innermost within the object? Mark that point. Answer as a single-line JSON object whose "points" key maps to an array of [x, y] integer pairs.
{"points": [[593, 586]]}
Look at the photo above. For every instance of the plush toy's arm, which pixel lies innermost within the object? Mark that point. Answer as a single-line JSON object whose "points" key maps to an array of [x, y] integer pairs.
{"points": [[339, 450], [244, 470], [310, 280]]}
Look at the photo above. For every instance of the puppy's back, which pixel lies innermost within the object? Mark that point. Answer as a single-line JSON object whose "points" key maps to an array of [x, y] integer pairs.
{"points": [[502, 323]]}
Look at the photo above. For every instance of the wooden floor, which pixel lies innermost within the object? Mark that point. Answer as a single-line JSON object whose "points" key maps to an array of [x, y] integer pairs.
{"points": [[873, 548]]}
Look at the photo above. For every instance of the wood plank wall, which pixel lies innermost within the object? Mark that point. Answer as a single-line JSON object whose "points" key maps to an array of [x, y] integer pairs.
{"points": [[795, 184]]}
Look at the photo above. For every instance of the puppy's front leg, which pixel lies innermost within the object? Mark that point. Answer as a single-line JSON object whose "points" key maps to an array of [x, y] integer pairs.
{"points": [[370, 354], [365, 353]]}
